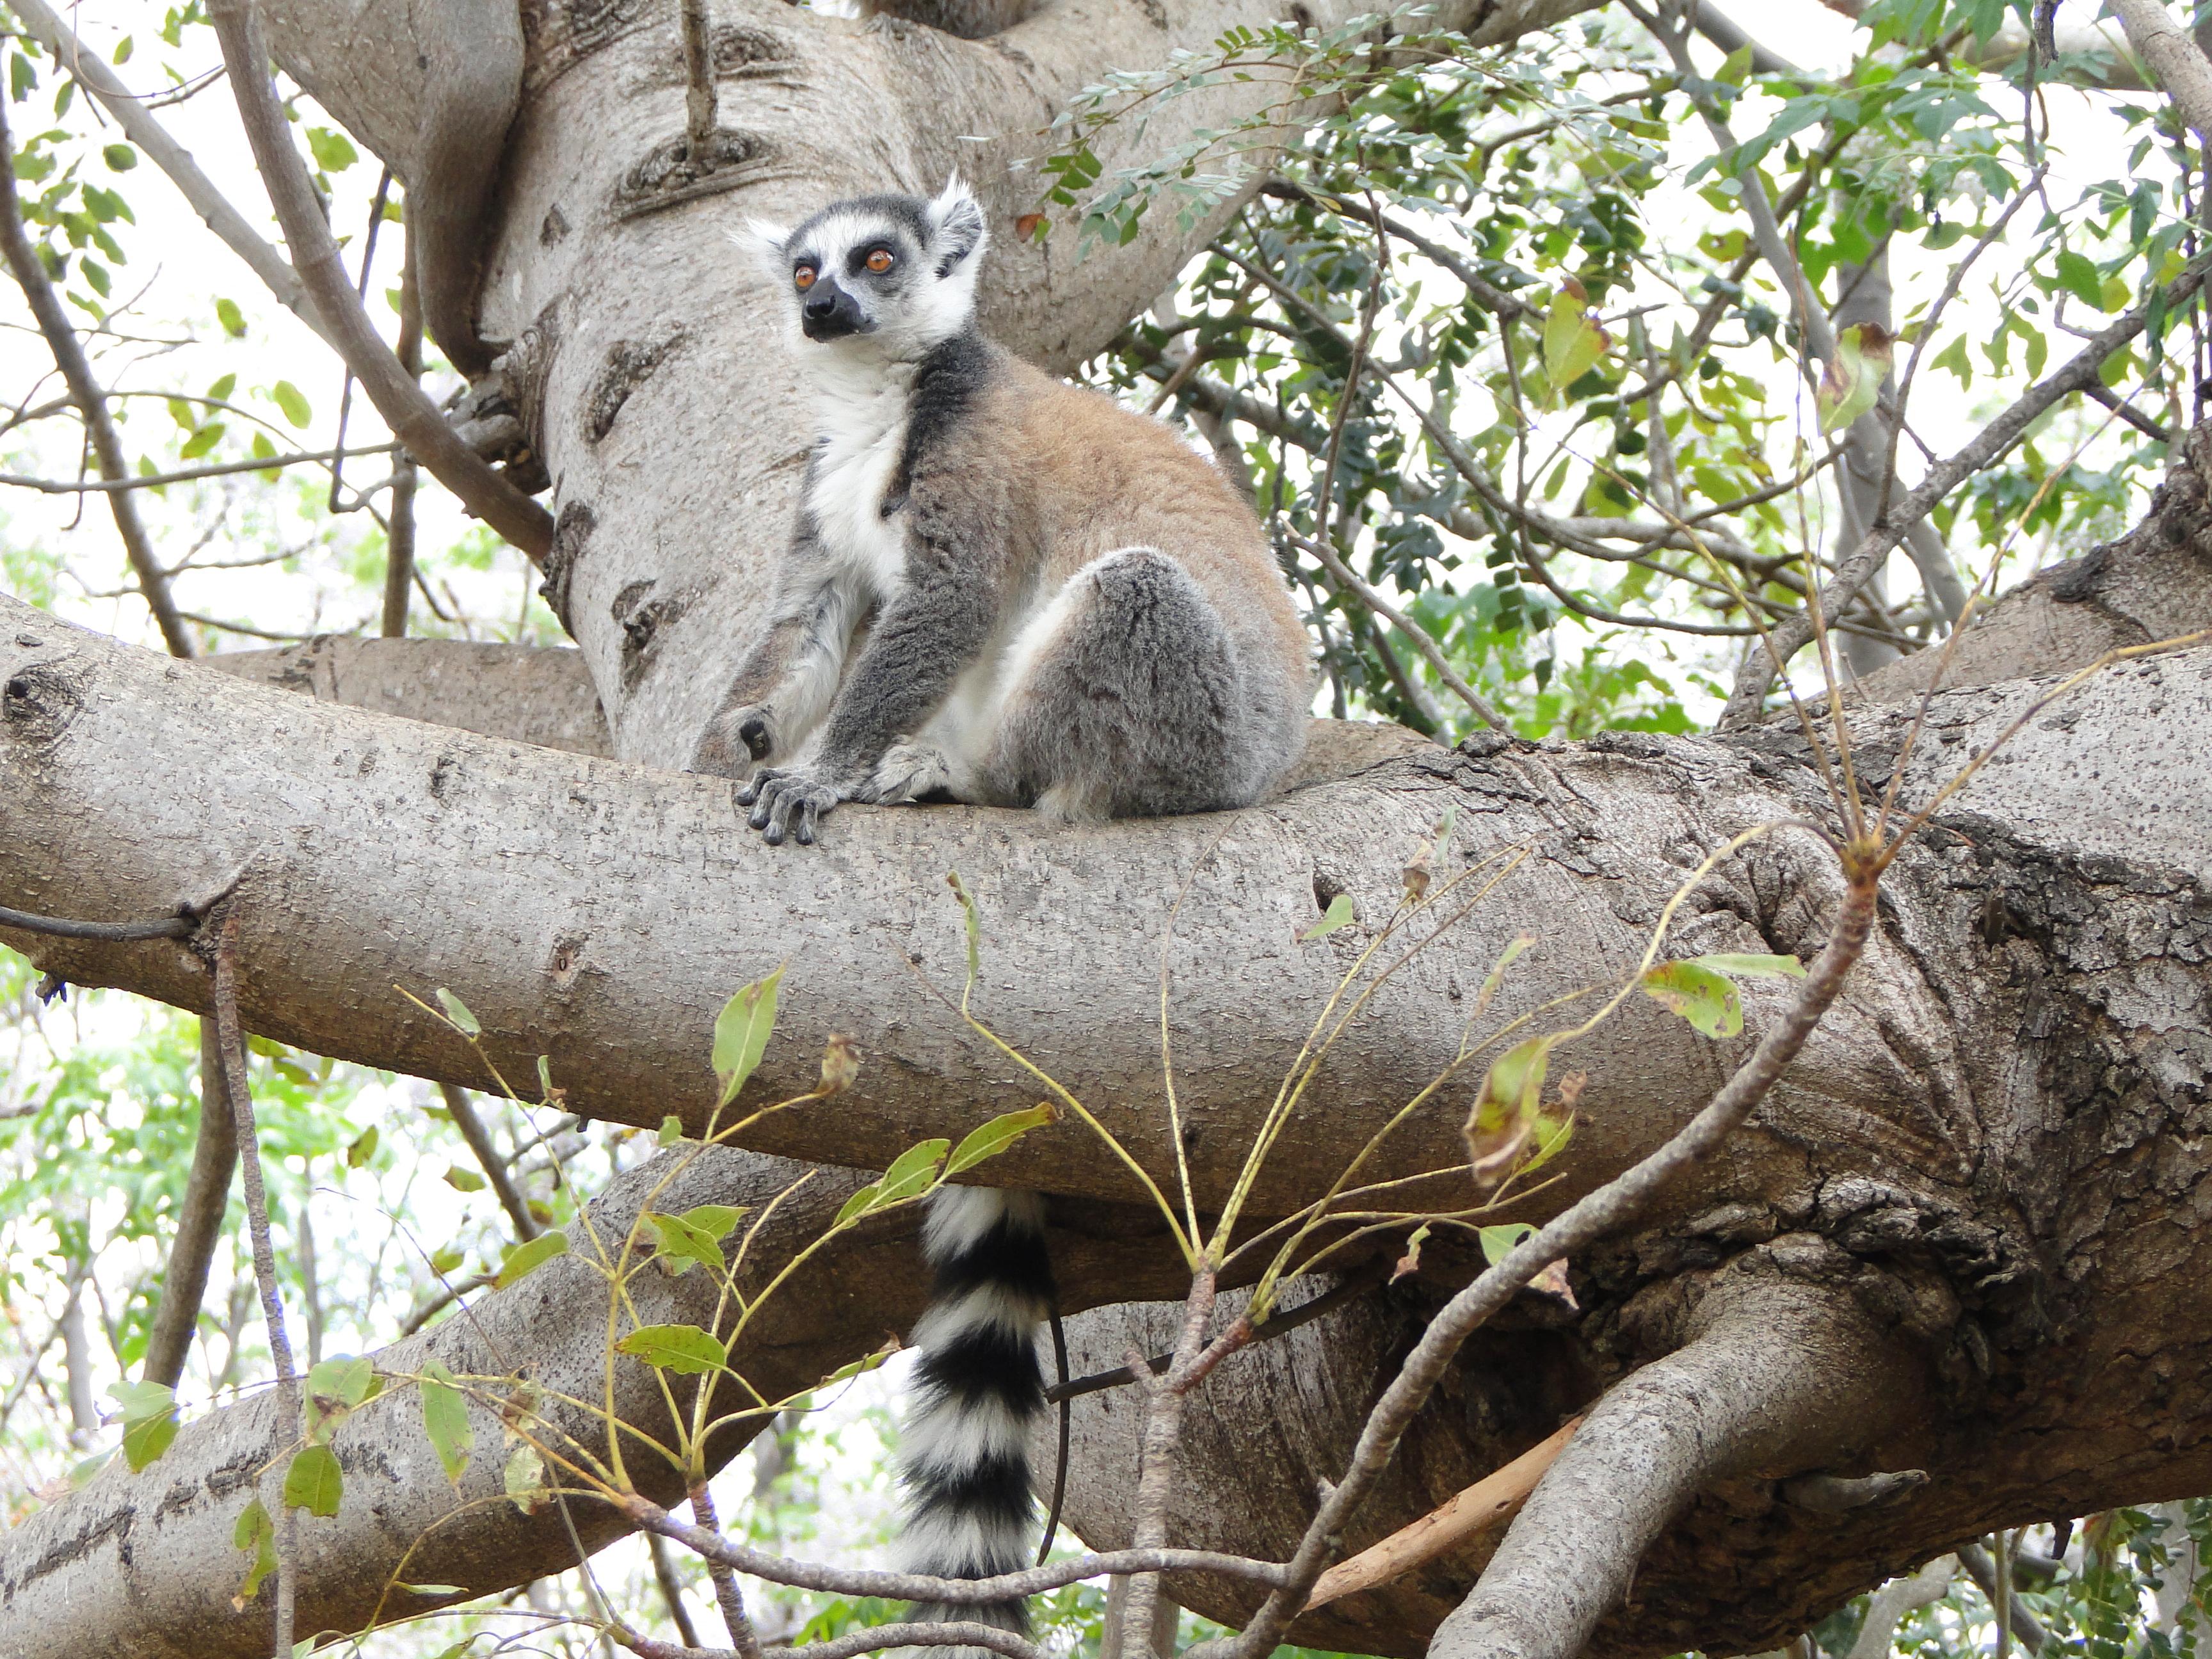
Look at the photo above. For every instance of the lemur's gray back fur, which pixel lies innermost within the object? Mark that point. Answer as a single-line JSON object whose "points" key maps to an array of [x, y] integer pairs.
{"points": [[1066, 608]]}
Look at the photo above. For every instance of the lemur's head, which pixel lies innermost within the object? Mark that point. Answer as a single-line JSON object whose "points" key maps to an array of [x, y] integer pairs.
{"points": [[897, 270]]}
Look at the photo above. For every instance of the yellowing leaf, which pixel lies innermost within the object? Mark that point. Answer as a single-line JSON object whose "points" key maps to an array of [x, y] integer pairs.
{"points": [[1505, 1110], [989, 1139], [840, 1063], [1339, 914], [1752, 967], [524, 1478], [1572, 342], [741, 1034], [682, 1348], [362, 1149], [1852, 379], [525, 1259], [1707, 1000]]}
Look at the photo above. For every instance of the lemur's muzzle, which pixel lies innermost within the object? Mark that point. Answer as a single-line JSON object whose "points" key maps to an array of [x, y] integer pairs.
{"points": [[831, 314]]}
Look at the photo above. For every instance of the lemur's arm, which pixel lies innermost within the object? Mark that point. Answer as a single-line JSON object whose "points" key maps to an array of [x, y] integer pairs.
{"points": [[935, 627], [791, 673]]}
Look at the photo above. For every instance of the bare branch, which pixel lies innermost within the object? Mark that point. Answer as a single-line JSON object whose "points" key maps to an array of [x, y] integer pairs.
{"points": [[30, 274], [413, 418], [1897, 1598], [199, 1222], [132, 114], [130, 481]]}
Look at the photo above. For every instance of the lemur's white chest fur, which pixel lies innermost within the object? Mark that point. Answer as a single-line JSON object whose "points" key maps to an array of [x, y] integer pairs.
{"points": [[861, 404]]}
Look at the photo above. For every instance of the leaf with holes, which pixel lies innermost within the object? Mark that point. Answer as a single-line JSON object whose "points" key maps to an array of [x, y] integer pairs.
{"points": [[1498, 1242]]}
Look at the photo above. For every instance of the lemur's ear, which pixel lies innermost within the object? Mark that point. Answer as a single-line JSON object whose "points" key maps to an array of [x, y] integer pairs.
{"points": [[956, 227], [765, 241]]}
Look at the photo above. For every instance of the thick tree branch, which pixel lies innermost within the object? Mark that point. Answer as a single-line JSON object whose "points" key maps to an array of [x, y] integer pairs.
{"points": [[413, 418], [1784, 1373], [2174, 56]]}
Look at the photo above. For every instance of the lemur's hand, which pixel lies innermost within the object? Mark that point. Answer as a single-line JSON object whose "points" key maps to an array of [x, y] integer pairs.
{"points": [[736, 739], [792, 800]]}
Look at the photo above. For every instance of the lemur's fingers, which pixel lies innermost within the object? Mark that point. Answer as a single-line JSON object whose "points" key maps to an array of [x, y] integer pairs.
{"points": [[753, 732]]}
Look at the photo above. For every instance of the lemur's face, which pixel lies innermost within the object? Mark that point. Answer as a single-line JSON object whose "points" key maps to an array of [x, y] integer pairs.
{"points": [[896, 269]]}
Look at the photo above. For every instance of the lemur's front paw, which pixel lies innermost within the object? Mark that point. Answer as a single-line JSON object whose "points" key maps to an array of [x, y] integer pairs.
{"points": [[790, 802], [907, 771], [735, 740]]}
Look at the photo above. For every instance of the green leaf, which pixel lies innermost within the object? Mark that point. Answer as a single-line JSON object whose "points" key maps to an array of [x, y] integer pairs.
{"points": [[446, 1420], [232, 318], [525, 1259], [1505, 1110], [991, 1139], [545, 1079], [1709, 1000], [462, 1181], [672, 1130], [1572, 342], [445, 1261], [1954, 357], [973, 921], [1339, 914], [717, 1221], [1498, 1242], [1752, 967], [913, 1171], [2078, 277], [120, 158], [1851, 382], [149, 1420], [741, 1034], [683, 1348], [315, 1482], [201, 441], [524, 1478], [335, 1386], [683, 1242], [362, 1148], [255, 1534], [333, 151], [456, 1010], [859, 1204], [298, 413]]}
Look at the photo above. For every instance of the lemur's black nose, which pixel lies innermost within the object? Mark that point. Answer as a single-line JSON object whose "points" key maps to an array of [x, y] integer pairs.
{"points": [[830, 313]]}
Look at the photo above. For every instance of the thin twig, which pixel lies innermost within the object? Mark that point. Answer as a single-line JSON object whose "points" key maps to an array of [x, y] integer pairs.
{"points": [[180, 925], [1566, 1234], [698, 78], [399, 537], [130, 481], [131, 113], [30, 274], [232, 1042], [727, 1595]]}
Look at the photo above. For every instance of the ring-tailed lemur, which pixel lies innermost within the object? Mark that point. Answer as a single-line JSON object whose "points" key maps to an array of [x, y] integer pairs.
{"points": [[1065, 607]]}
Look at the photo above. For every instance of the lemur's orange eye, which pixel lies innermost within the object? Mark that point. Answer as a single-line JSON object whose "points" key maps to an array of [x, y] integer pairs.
{"points": [[880, 260], [802, 278]]}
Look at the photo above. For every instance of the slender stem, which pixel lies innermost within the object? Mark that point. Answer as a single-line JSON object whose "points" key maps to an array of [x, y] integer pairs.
{"points": [[698, 78], [399, 539], [671, 1589], [30, 274], [232, 1042], [1156, 1476]]}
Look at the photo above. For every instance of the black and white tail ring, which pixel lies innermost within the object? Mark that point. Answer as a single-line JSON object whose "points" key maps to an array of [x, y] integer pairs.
{"points": [[978, 1393]]}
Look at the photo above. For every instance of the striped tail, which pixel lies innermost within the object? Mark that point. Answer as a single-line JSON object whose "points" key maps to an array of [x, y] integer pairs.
{"points": [[978, 1392]]}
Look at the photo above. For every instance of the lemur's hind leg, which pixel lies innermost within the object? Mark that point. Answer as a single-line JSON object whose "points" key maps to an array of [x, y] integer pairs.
{"points": [[1125, 699]]}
